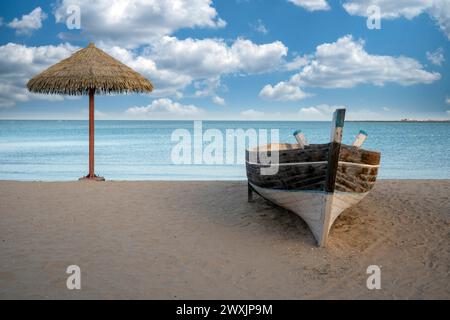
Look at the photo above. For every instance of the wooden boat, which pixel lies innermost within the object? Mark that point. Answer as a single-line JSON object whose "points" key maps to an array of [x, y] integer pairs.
{"points": [[318, 181]]}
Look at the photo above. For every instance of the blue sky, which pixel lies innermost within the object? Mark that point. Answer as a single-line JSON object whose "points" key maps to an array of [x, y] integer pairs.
{"points": [[238, 59]]}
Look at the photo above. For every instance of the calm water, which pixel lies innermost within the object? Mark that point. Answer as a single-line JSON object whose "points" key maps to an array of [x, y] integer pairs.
{"points": [[141, 150]]}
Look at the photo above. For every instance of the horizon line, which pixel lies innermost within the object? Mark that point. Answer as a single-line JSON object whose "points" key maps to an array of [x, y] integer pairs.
{"points": [[218, 120]]}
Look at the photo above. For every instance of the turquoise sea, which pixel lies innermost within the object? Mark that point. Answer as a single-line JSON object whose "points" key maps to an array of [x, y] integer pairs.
{"points": [[141, 150]]}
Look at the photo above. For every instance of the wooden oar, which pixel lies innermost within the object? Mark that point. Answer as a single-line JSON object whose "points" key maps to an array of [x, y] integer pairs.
{"points": [[360, 138], [301, 139]]}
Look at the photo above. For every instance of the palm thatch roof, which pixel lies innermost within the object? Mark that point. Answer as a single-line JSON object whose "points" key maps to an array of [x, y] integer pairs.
{"points": [[89, 68]]}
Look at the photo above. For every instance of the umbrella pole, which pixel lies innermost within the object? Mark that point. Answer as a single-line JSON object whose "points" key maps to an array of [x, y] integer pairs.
{"points": [[91, 134], [91, 175]]}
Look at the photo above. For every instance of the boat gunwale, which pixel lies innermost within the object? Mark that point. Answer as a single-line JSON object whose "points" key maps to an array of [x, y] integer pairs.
{"points": [[307, 148], [313, 163], [312, 148]]}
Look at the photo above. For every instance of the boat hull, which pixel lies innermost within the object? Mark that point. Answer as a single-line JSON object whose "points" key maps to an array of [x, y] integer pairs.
{"points": [[302, 185]]}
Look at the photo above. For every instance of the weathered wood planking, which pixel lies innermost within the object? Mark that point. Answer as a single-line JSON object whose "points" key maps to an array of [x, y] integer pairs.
{"points": [[354, 178], [289, 177], [289, 153], [357, 155]]}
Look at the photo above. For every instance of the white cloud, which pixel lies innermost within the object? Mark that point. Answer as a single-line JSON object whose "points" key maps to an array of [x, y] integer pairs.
{"points": [[311, 5], [389, 9], [319, 112], [324, 112], [100, 114], [208, 58], [296, 63], [207, 87], [135, 22], [166, 81], [437, 57], [211, 57], [346, 64], [19, 63], [219, 100], [283, 91], [386, 109], [164, 108], [254, 58], [173, 64], [439, 10], [447, 100], [198, 58], [260, 27], [28, 22], [252, 114]]}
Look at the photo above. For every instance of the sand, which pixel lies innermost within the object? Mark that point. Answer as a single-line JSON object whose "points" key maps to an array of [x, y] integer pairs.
{"points": [[202, 240]]}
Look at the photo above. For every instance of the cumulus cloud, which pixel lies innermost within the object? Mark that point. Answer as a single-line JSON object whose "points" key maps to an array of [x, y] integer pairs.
{"points": [[283, 91], [167, 81], [447, 100], [319, 112], [209, 57], [164, 108], [252, 114], [174, 64], [296, 63], [324, 112], [207, 87], [311, 5], [139, 33], [135, 22], [346, 64], [259, 27], [389, 9], [18, 63], [439, 10], [254, 58], [28, 22], [437, 57], [218, 100]]}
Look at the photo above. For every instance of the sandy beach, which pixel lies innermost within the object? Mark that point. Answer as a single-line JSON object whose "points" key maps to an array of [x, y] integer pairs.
{"points": [[202, 240]]}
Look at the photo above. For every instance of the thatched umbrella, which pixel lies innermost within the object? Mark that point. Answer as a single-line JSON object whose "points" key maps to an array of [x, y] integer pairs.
{"points": [[89, 71]]}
